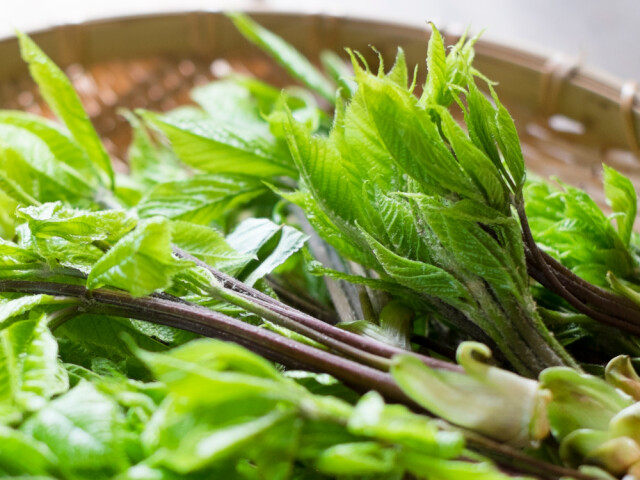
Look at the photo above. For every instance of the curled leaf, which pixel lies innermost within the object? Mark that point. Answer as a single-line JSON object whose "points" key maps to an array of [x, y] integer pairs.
{"points": [[506, 407], [621, 374]]}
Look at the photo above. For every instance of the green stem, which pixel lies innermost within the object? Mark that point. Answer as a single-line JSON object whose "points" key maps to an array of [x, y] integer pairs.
{"points": [[358, 341], [56, 319], [254, 305], [22, 266]]}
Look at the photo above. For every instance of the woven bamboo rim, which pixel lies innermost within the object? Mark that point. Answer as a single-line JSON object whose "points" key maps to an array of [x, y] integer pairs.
{"points": [[571, 118]]}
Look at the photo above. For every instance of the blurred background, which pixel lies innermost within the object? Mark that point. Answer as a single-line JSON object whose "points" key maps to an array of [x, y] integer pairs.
{"points": [[598, 33]]}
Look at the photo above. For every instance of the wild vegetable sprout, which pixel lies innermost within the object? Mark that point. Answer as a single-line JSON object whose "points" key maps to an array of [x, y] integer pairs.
{"points": [[110, 281]]}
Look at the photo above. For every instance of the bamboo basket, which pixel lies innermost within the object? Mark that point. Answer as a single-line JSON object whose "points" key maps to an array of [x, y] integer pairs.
{"points": [[571, 119]]}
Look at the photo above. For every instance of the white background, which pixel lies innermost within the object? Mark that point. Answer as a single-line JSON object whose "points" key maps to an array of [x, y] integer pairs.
{"points": [[604, 33]]}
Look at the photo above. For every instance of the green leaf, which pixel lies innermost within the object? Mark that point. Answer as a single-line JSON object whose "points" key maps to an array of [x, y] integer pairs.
{"points": [[361, 458], [507, 136], [333, 187], [19, 306], [480, 118], [475, 163], [230, 102], [412, 138], [208, 245], [622, 198], [399, 72], [440, 469], [141, 262], [272, 244], [214, 148], [63, 148], [436, 86], [339, 71], [55, 220], [210, 447], [287, 56], [58, 252], [580, 401], [201, 199], [28, 161], [102, 336], [150, 162], [83, 428], [419, 276], [65, 103], [23, 455], [211, 372], [396, 424], [30, 374], [220, 356], [571, 227]]}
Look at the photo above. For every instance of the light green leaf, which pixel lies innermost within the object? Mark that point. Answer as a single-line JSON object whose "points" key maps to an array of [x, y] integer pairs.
{"points": [[213, 355], [480, 118], [622, 198], [399, 72], [436, 86], [11, 253], [231, 103], [58, 252], [200, 199], [198, 385], [63, 148], [475, 163], [150, 162], [580, 401], [285, 54], [209, 447], [28, 161], [208, 245], [55, 220], [349, 243], [214, 148], [29, 373], [338, 70], [505, 133], [272, 244], [65, 103], [396, 424], [83, 429], [141, 262], [23, 455], [12, 194], [412, 138], [10, 309], [334, 188], [211, 372], [440, 469], [361, 458]]}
